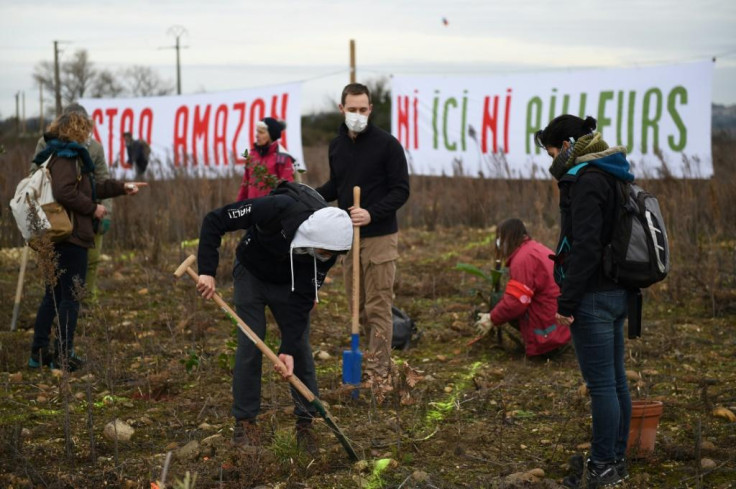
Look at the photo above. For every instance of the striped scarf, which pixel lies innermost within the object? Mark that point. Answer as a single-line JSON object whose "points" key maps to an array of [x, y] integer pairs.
{"points": [[590, 143]]}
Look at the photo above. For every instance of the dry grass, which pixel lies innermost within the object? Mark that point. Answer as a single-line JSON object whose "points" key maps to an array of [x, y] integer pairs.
{"points": [[700, 215]]}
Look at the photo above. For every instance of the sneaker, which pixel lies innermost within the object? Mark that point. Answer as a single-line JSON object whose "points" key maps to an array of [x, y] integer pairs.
{"points": [[41, 358], [71, 363], [246, 433], [306, 439], [622, 469], [601, 475]]}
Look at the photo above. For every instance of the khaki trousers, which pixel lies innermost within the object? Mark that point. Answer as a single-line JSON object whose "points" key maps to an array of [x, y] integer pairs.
{"points": [[93, 261], [378, 257]]}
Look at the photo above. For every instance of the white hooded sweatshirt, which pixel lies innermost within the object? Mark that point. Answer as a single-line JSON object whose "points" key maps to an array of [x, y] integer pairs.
{"points": [[329, 229]]}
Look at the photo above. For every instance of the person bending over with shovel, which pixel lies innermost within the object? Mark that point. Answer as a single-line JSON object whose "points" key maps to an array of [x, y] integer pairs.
{"points": [[280, 262]]}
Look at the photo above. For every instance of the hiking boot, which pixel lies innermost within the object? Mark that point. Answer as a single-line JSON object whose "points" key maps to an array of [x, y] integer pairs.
{"points": [[41, 358], [622, 469], [601, 475], [246, 433], [70, 363], [306, 439]]}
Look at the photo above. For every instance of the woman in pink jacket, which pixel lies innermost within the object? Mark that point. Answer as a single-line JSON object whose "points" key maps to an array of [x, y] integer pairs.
{"points": [[269, 163], [529, 301]]}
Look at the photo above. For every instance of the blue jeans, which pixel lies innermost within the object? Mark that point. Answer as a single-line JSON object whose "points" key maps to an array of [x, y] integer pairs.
{"points": [[251, 298], [72, 268], [598, 336]]}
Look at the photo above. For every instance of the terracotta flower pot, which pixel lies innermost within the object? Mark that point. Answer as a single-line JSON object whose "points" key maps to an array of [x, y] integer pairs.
{"points": [[643, 430]]}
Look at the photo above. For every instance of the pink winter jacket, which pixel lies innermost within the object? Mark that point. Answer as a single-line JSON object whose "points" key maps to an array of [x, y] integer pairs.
{"points": [[277, 163], [531, 298]]}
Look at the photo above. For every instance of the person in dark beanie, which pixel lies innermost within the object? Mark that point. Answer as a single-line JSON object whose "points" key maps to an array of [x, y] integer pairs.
{"points": [[366, 156], [592, 305], [267, 163]]}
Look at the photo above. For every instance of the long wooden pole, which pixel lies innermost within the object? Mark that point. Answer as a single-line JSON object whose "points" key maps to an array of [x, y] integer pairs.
{"points": [[352, 61], [19, 288]]}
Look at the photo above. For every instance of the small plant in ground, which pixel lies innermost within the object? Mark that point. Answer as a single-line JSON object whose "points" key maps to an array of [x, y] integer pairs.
{"points": [[226, 359], [492, 280], [191, 362], [285, 449]]}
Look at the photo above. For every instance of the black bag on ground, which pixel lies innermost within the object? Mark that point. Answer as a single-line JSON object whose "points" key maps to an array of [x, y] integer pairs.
{"points": [[405, 331]]}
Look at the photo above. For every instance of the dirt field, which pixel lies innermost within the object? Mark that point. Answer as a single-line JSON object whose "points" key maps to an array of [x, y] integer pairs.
{"points": [[457, 417]]}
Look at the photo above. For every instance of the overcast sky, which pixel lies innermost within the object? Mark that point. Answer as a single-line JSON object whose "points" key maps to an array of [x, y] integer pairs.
{"points": [[232, 45]]}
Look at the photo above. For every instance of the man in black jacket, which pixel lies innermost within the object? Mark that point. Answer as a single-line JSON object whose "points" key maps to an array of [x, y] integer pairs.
{"points": [[281, 262], [369, 157]]}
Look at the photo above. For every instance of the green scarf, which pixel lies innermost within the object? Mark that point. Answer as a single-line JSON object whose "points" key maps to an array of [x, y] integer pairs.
{"points": [[590, 143]]}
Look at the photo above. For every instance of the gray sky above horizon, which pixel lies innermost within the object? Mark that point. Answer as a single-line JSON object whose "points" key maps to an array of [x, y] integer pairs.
{"points": [[234, 45]]}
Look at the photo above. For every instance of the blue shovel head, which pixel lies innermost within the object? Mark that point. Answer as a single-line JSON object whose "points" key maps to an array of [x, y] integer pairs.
{"points": [[352, 361]]}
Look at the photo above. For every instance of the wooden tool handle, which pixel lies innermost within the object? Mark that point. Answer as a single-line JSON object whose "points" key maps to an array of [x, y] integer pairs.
{"points": [[19, 288], [356, 267]]}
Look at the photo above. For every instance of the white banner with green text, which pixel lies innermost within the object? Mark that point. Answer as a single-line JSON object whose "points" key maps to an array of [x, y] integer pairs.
{"points": [[484, 126]]}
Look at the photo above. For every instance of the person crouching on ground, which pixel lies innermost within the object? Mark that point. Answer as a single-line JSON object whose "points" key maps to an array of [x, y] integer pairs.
{"points": [[280, 262], [529, 301]]}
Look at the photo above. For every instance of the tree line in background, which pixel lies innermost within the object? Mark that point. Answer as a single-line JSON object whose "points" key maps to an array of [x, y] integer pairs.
{"points": [[79, 77]]}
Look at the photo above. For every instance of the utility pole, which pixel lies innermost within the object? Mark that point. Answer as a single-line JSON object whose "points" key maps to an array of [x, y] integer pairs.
{"points": [[352, 61], [40, 107], [17, 113], [23, 120], [57, 78], [177, 31]]}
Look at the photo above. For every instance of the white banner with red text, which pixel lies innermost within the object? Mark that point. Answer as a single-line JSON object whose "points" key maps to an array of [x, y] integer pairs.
{"points": [[485, 126], [200, 135]]}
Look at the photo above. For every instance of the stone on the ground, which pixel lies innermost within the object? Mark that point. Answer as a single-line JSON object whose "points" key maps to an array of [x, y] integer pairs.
{"points": [[119, 430]]}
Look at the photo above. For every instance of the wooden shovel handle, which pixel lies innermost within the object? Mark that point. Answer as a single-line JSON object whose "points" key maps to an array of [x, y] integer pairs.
{"points": [[356, 266], [185, 267]]}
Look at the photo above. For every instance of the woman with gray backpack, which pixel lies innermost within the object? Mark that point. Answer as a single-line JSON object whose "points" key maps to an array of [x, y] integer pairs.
{"points": [[591, 303]]}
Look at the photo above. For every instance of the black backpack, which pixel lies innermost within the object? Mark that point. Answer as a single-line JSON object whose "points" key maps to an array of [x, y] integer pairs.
{"points": [[639, 253], [310, 198], [308, 201]]}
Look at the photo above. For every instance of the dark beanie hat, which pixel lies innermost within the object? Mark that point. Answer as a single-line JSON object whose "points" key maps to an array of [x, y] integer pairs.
{"points": [[275, 127]]}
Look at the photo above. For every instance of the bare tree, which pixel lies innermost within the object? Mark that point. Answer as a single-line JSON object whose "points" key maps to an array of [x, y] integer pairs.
{"points": [[79, 78], [143, 81], [43, 74], [78, 75], [106, 84]]}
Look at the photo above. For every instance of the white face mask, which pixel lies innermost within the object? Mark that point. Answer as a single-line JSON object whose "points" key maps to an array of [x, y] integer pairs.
{"points": [[356, 122]]}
